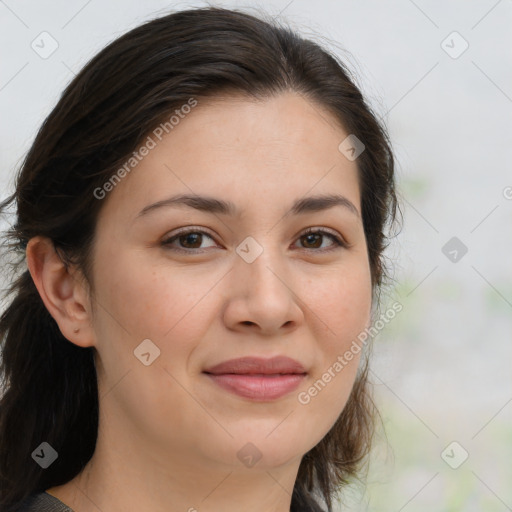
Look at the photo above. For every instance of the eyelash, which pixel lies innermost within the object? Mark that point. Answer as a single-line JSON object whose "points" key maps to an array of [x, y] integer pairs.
{"points": [[339, 243]]}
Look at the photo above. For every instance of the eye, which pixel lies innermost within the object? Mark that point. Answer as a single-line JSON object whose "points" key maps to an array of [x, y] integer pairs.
{"points": [[314, 235], [190, 240]]}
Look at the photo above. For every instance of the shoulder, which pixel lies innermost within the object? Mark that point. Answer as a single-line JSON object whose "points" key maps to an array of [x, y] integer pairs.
{"points": [[43, 502]]}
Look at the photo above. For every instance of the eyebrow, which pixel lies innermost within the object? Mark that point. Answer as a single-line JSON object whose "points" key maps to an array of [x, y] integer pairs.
{"points": [[207, 204]]}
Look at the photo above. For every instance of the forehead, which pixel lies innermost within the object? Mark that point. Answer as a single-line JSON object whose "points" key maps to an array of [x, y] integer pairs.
{"points": [[257, 152]]}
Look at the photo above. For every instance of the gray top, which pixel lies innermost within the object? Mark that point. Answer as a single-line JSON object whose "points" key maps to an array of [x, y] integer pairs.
{"points": [[43, 502]]}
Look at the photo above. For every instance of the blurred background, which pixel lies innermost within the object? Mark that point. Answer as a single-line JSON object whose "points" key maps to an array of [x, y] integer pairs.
{"points": [[439, 74]]}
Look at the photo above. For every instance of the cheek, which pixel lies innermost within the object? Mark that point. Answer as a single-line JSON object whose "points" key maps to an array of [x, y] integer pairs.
{"points": [[343, 309], [166, 305], [343, 306], [152, 301]]}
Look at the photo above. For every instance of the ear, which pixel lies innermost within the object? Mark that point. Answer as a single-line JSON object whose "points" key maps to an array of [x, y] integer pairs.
{"points": [[64, 294]]}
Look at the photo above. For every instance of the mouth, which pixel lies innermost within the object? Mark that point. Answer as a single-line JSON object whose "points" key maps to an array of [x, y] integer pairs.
{"points": [[257, 378]]}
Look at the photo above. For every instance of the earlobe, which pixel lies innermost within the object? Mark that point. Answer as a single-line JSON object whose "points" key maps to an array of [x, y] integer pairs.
{"points": [[62, 293]]}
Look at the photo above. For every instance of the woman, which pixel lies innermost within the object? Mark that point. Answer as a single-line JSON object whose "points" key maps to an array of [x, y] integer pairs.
{"points": [[202, 217]]}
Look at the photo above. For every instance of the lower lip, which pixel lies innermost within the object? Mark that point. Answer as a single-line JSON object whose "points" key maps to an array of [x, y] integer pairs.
{"points": [[258, 387]]}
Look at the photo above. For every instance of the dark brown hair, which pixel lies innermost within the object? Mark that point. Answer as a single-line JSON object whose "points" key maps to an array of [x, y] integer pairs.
{"points": [[124, 92]]}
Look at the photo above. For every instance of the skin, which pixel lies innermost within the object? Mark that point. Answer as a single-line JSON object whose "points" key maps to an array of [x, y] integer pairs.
{"points": [[168, 437]]}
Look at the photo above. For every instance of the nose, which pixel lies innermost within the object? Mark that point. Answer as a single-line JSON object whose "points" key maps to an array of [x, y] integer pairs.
{"points": [[263, 296]]}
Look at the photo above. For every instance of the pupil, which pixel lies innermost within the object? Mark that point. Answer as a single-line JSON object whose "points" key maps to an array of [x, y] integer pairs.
{"points": [[188, 236], [313, 236]]}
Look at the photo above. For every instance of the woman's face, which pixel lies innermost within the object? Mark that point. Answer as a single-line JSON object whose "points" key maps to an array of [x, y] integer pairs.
{"points": [[247, 283]]}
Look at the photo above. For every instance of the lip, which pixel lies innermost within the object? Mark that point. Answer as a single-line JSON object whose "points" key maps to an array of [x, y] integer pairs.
{"points": [[254, 365], [258, 378]]}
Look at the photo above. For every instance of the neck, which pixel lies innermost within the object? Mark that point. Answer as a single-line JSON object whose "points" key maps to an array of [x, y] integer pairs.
{"points": [[126, 474]]}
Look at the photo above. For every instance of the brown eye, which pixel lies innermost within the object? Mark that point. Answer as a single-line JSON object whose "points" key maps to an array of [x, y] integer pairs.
{"points": [[313, 239], [190, 240], [187, 241]]}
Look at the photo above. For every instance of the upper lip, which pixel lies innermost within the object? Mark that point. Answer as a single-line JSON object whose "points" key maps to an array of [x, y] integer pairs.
{"points": [[258, 365]]}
